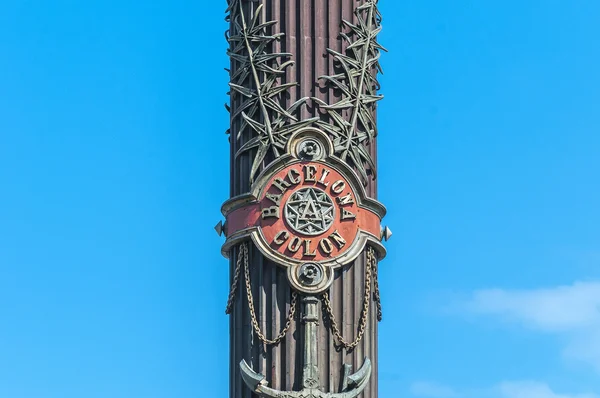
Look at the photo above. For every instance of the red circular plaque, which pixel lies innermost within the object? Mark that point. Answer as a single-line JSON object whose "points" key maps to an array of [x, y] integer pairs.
{"points": [[309, 212], [306, 211]]}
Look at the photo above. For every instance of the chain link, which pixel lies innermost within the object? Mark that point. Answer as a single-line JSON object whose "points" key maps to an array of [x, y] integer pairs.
{"points": [[371, 281], [234, 284], [376, 295], [362, 324], [253, 318]]}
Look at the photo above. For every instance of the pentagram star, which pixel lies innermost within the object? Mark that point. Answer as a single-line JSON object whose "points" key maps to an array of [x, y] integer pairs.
{"points": [[310, 211]]}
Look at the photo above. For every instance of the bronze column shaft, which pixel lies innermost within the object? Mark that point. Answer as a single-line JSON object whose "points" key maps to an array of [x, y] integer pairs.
{"points": [[312, 32]]}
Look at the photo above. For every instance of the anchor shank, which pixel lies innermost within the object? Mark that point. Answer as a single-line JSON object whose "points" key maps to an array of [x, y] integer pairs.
{"points": [[310, 374]]}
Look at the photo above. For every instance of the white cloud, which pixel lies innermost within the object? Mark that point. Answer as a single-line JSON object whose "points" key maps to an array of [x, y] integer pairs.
{"points": [[432, 390], [533, 390], [562, 308], [585, 346], [509, 389], [570, 311]]}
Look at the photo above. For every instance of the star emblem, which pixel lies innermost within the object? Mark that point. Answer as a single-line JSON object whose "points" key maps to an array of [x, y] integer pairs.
{"points": [[310, 211]]}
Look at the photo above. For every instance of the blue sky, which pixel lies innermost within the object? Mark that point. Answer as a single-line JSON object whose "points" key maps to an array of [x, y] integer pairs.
{"points": [[113, 166]]}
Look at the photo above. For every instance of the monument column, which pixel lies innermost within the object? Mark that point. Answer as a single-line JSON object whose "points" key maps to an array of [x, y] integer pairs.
{"points": [[303, 226]]}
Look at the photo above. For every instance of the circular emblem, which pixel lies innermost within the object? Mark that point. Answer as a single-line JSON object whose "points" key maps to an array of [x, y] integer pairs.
{"points": [[310, 211], [310, 277], [307, 212], [310, 274], [310, 149]]}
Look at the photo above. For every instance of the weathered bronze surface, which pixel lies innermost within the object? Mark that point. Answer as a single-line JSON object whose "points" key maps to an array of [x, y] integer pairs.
{"points": [[306, 211], [353, 385], [303, 224]]}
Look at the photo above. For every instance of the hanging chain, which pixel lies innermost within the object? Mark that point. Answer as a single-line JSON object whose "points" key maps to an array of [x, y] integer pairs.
{"points": [[370, 268], [376, 295], [253, 318], [243, 260], [234, 284], [371, 281]]}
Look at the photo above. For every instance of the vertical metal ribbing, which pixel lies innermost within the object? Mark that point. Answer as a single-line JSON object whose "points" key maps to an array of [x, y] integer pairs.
{"points": [[310, 27], [263, 311]]}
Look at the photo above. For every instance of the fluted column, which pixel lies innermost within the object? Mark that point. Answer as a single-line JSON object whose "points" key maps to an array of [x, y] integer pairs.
{"points": [[312, 32]]}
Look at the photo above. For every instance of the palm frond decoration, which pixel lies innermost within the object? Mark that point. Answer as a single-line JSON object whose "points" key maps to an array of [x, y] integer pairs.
{"points": [[255, 82], [351, 122]]}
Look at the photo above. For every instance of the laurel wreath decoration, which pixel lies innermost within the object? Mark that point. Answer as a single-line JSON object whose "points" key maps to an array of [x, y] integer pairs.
{"points": [[255, 80], [356, 80]]}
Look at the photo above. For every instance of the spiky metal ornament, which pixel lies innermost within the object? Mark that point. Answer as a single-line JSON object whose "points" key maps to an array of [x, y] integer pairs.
{"points": [[358, 85], [256, 83]]}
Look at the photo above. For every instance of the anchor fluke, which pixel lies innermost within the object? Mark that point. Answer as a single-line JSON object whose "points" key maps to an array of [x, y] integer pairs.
{"points": [[250, 377], [256, 381], [360, 378], [354, 384]]}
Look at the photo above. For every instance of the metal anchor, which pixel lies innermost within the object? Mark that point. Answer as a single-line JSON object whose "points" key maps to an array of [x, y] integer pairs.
{"points": [[352, 385]]}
